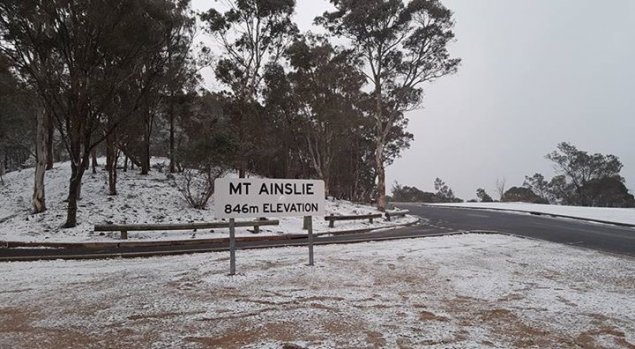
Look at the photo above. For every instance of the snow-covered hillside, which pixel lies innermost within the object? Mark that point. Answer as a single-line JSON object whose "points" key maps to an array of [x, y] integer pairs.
{"points": [[616, 215], [141, 199]]}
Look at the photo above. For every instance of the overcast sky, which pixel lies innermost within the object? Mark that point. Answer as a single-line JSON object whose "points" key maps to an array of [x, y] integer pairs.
{"points": [[534, 73]]}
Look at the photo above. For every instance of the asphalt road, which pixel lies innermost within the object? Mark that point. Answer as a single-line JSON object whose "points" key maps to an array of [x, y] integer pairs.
{"points": [[596, 236]]}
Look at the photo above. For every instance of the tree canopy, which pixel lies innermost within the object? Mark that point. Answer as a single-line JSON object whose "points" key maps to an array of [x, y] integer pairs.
{"points": [[582, 179], [403, 46], [80, 57]]}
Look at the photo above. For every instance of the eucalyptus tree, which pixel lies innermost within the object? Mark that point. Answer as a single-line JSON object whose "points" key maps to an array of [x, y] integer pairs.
{"points": [[181, 77], [327, 85], [482, 195], [403, 46], [251, 35], [175, 75], [286, 157], [77, 54], [580, 167], [582, 176]]}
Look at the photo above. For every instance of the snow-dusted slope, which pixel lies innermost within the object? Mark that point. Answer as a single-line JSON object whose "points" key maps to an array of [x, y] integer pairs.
{"points": [[469, 291], [617, 215], [141, 199]]}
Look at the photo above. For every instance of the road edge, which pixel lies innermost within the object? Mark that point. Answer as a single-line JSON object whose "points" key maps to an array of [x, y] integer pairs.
{"points": [[535, 213]]}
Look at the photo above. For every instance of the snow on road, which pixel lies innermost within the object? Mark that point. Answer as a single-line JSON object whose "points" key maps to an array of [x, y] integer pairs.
{"points": [[617, 215], [467, 291], [141, 199]]}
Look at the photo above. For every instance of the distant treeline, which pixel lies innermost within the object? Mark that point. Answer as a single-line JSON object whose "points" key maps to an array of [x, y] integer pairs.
{"points": [[443, 193], [582, 179]]}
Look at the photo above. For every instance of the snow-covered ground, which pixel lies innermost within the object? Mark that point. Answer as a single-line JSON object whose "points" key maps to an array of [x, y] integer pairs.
{"points": [[141, 199], [465, 291], [616, 215]]}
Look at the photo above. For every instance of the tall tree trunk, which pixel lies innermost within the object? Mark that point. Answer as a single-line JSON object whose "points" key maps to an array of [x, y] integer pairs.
{"points": [[147, 131], [381, 177], [111, 164], [87, 163], [145, 162], [125, 163], [78, 166], [172, 155], [242, 171], [112, 180], [79, 163], [3, 163], [50, 128], [73, 189], [113, 174], [93, 155], [39, 202], [108, 154], [326, 177], [379, 151]]}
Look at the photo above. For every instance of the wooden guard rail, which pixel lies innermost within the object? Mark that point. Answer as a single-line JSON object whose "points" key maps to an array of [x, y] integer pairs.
{"points": [[332, 218], [396, 213], [125, 228]]}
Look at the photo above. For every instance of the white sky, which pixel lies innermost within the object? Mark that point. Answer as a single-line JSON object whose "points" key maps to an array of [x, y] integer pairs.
{"points": [[534, 73]]}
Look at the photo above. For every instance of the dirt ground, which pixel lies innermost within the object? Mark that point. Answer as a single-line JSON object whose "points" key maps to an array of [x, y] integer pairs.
{"points": [[472, 291]]}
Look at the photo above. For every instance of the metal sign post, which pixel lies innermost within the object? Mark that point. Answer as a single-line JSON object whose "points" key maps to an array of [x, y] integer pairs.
{"points": [[232, 246], [309, 221]]}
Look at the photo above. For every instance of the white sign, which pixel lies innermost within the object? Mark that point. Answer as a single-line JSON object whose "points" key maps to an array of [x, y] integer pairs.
{"points": [[252, 197]]}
